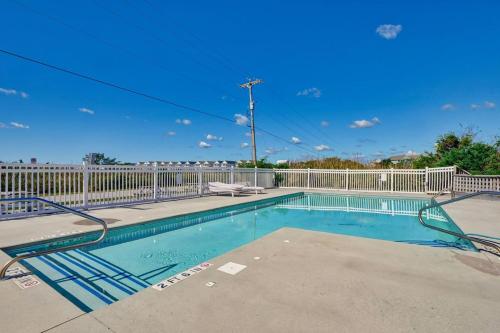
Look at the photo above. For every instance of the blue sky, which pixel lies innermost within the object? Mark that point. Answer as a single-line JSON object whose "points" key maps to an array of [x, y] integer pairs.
{"points": [[369, 78]]}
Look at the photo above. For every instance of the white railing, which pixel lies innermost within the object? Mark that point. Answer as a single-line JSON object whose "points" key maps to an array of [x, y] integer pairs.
{"points": [[430, 180], [469, 183], [89, 186]]}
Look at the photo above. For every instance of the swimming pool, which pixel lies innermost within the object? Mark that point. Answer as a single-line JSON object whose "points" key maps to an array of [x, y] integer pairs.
{"points": [[134, 257]]}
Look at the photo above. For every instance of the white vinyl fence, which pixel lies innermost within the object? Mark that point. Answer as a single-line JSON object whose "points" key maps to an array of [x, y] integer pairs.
{"points": [[469, 183], [430, 180], [90, 186]]}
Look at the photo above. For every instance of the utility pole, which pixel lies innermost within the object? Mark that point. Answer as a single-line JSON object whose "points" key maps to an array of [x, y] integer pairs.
{"points": [[249, 86]]}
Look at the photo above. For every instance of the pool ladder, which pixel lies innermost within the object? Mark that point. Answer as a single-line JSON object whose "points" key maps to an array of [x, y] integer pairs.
{"points": [[59, 249], [487, 243]]}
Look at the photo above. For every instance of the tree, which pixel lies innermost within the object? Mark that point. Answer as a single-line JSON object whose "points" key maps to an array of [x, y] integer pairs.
{"points": [[101, 159], [447, 142], [386, 163], [475, 157], [426, 160]]}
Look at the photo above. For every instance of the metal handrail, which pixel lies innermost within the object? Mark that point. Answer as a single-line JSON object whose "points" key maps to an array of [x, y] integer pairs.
{"points": [[492, 244], [64, 248]]}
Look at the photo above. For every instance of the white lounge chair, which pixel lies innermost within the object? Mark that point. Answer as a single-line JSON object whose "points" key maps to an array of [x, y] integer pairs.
{"points": [[218, 187], [247, 188]]}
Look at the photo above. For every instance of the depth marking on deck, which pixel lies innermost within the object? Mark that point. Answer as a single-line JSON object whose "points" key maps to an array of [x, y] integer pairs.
{"points": [[181, 276], [22, 280]]}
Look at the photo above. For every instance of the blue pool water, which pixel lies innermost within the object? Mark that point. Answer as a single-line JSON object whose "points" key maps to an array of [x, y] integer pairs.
{"points": [[132, 258]]}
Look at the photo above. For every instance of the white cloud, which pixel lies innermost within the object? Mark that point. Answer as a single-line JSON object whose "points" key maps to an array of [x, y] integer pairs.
{"points": [[475, 106], [272, 151], [248, 134], [411, 153], [324, 123], [241, 119], [295, 140], [489, 105], [19, 125], [389, 31], [185, 122], [365, 123], [212, 137], [203, 144], [171, 133], [313, 92], [13, 92], [244, 145], [85, 110], [322, 148], [8, 92], [2, 125], [448, 107]]}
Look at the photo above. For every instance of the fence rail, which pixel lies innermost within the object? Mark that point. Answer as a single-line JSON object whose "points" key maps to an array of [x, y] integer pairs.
{"points": [[430, 180], [469, 183]]}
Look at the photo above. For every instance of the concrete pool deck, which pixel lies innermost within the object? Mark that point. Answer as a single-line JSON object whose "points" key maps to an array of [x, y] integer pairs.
{"points": [[316, 282], [479, 215]]}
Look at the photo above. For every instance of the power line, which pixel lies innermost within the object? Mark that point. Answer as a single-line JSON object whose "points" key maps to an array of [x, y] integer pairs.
{"points": [[113, 85], [128, 51], [217, 56], [136, 92], [137, 55], [228, 64], [153, 36], [225, 61]]}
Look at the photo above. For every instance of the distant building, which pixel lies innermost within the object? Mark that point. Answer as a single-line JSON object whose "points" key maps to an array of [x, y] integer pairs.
{"points": [[192, 163], [410, 156], [282, 162]]}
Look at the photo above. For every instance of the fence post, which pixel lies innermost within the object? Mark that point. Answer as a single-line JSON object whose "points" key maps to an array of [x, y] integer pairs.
{"points": [[392, 179], [85, 185], [275, 182], [347, 179], [231, 177], [200, 181], [255, 176], [155, 181], [426, 183], [452, 187], [308, 178]]}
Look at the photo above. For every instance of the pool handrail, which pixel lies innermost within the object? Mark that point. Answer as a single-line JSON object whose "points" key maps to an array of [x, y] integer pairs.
{"points": [[491, 244], [60, 249]]}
